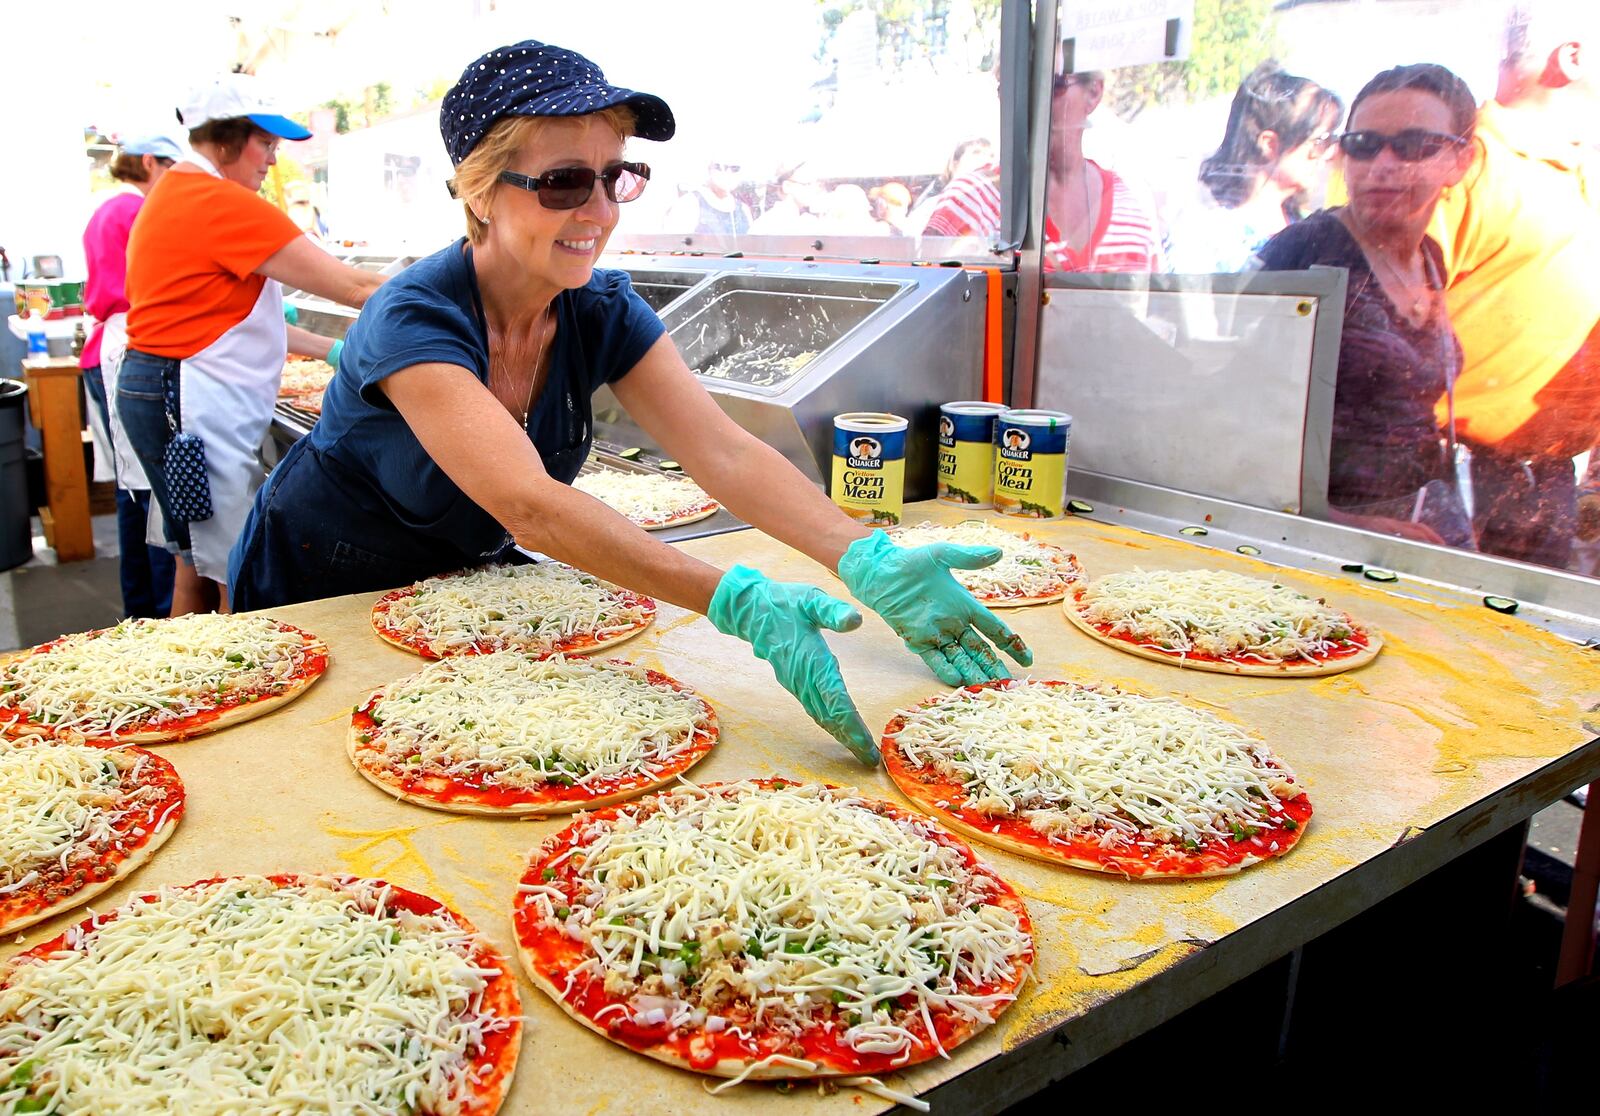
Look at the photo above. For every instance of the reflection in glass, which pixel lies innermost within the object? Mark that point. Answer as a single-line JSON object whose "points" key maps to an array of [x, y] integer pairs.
{"points": [[1095, 219], [1392, 462], [1273, 157]]}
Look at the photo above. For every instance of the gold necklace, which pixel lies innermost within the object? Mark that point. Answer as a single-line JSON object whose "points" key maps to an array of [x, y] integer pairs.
{"points": [[533, 376], [1419, 305]]}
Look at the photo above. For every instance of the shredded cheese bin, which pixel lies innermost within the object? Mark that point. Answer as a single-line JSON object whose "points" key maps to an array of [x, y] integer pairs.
{"points": [[869, 466], [966, 453], [1030, 463]]}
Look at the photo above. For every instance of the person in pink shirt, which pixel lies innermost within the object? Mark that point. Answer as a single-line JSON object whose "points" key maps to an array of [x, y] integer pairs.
{"points": [[146, 571]]}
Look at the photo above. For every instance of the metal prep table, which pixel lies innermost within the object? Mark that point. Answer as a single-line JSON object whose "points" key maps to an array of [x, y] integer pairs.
{"points": [[1466, 724]]}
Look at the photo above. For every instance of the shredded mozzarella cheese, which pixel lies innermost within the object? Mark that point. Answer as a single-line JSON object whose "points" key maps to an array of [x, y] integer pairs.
{"points": [[532, 607], [1091, 761], [55, 798], [246, 995], [147, 673], [649, 499], [786, 909], [1027, 567], [1215, 612], [509, 720]]}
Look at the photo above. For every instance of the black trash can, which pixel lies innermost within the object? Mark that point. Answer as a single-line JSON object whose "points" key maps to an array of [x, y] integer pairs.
{"points": [[16, 539]]}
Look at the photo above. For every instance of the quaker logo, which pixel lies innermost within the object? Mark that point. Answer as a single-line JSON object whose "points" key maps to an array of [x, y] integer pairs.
{"points": [[866, 453], [1014, 444], [947, 430]]}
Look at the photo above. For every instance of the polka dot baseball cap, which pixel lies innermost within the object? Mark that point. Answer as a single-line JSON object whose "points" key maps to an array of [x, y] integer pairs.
{"points": [[535, 79]]}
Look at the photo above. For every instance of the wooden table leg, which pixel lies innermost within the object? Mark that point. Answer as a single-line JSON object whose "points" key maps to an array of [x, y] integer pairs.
{"points": [[53, 395], [1577, 937]]}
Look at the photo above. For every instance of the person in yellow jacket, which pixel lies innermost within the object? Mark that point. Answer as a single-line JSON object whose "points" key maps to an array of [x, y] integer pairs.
{"points": [[1521, 237]]}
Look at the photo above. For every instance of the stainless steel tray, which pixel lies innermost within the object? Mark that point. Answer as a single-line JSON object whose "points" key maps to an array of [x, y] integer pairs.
{"points": [[606, 457], [761, 333]]}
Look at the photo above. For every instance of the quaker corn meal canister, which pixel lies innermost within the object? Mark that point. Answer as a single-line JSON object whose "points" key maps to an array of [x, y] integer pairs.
{"points": [[966, 453], [869, 466], [1030, 463]]}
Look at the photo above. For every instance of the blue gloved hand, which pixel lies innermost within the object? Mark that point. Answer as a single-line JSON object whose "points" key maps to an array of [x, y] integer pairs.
{"points": [[783, 622], [911, 588], [334, 353]]}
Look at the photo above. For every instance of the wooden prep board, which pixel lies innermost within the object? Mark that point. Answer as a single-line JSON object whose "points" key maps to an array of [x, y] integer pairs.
{"points": [[1462, 703]]}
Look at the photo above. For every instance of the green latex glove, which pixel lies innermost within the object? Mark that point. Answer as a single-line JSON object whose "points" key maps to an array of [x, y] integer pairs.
{"points": [[291, 314], [783, 623], [334, 353], [911, 588]]}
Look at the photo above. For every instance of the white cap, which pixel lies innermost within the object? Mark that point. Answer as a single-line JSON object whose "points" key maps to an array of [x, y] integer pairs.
{"points": [[153, 143], [235, 95]]}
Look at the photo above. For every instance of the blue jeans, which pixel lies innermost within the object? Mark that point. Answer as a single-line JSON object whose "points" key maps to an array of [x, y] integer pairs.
{"points": [[146, 571], [147, 387]]}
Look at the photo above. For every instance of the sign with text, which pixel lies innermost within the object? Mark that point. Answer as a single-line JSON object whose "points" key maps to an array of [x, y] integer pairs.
{"points": [[1107, 34]]}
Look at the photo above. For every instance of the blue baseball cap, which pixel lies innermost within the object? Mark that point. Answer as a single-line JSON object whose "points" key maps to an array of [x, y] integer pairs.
{"points": [[534, 79], [229, 96], [153, 143]]}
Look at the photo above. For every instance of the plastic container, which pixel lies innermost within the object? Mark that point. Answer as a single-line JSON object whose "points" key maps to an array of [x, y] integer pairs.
{"points": [[38, 341], [16, 537]]}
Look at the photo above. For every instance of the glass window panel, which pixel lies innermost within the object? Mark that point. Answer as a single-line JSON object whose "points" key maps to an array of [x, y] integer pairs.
{"points": [[1460, 203]]}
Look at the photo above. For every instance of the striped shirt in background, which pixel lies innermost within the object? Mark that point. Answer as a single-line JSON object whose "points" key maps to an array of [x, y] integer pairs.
{"points": [[1125, 236], [969, 206]]}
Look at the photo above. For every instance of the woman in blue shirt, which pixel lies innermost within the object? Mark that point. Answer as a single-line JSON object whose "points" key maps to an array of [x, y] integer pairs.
{"points": [[461, 413]]}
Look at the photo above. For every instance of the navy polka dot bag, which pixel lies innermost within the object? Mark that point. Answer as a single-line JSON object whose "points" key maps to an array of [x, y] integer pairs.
{"points": [[184, 464]]}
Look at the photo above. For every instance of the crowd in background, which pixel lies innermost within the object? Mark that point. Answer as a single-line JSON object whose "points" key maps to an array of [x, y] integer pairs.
{"points": [[1467, 406]]}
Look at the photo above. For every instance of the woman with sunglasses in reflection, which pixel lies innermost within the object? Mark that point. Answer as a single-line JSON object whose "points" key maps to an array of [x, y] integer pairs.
{"points": [[1274, 154], [1392, 467], [461, 414]]}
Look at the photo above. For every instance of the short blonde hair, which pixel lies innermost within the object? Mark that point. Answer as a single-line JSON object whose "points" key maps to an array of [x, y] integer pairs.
{"points": [[478, 173]]}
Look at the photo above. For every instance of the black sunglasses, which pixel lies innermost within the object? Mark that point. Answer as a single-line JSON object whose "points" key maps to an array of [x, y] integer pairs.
{"points": [[570, 187], [1411, 146]]}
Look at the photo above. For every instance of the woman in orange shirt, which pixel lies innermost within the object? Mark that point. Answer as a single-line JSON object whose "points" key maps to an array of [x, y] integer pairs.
{"points": [[206, 336]]}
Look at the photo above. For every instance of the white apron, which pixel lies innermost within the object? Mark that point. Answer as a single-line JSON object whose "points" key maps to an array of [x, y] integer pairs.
{"points": [[227, 392], [129, 474], [99, 433]]}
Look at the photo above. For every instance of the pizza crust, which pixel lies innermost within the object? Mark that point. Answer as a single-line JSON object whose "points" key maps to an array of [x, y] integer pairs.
{"points": [[753, 1068], [679, 521], [927, 798], [233, 715], [384, 781], [1265, 670], [124, 869], [605, 645]]}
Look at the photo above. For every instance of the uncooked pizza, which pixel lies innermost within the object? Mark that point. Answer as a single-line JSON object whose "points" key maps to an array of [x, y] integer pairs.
{"points": [[310, 402], [652, 500], [1029, 572], [771, 929], [75, 819], [1221, 621], [153, 681], [303, 376], [542, 609], [508, 733], [1096, 778], [262, 994]]}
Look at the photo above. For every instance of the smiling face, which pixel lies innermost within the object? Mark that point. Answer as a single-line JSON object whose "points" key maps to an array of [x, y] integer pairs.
{"points": [[1386, 191], [558, 246]]}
